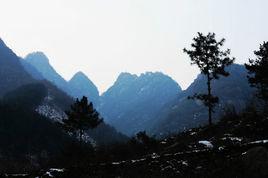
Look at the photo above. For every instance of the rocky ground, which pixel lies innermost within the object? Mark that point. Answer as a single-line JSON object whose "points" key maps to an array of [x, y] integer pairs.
{"points": [[235, 147]]}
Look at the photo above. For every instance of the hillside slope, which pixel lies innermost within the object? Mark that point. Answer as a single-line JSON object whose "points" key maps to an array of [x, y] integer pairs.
{"points": [[182, 113], [12, 74]]}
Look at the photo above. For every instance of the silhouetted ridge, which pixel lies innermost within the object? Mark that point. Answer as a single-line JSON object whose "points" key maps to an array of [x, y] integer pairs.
{"points": [[12, 74], [2, 43]]}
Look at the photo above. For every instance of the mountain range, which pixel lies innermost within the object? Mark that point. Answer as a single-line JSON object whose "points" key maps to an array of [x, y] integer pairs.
{"points": [[80, 85], [21, 79], [151, 101], [132, 103], [132, 100]]}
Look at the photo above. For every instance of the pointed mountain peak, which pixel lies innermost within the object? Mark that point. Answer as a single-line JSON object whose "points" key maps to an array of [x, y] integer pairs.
{"points": [[82, 79], [80, 74], [83, 86], [126, 76], [38, 56]]}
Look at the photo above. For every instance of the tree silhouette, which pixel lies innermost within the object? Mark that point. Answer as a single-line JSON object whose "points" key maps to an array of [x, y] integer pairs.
{"points": [[206, 53], [258, 72], [81, 117]]}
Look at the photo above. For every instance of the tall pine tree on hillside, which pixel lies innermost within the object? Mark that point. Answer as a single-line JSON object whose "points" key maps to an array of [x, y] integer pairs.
{"points": [[81, 117], [206, 53], [258, 72]]}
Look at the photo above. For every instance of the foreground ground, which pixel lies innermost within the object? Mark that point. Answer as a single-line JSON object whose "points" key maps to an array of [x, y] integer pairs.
{"points": [[237, 147]]}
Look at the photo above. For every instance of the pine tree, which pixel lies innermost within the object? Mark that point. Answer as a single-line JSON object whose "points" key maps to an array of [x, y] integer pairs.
{"points": [[81, 117], [258, 72], [206, 53]]}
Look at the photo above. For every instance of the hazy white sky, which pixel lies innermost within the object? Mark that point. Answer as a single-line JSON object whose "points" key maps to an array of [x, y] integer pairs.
{"points": [[105, 37]]}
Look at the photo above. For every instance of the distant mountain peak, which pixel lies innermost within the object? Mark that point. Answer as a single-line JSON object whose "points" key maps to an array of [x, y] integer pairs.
{"points": [[126, 76], [81, 75], [133, 100], [152, 73], [38, 56], [41, 63], [84, 87], [159, 75]]}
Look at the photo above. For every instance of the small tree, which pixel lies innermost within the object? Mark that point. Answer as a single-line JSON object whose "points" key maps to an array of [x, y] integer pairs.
{"points": [[211, 60], [258, 72], [81, 117]]}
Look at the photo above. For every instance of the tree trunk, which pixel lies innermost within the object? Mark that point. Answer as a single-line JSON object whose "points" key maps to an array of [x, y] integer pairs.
{"points": [[209, 100], [264, 98], [80, 136]]}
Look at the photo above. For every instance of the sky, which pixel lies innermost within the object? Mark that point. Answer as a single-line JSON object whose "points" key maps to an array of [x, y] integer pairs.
{"points": [[103, 38]]}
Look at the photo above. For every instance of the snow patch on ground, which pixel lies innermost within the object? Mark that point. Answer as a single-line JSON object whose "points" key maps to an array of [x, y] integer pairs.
{"points": [[259, 141], [206, 143], [154, 156], [232, 139], [50, 110], [56, 170]]}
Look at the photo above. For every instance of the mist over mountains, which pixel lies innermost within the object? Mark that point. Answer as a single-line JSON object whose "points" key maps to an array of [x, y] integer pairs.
{"points": [[153, 102], [132, 100], [34, 98], [23, 82]]}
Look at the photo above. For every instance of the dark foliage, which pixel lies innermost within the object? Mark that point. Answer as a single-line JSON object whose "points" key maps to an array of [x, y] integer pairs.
{"points": [[258, 72], [211, 60], [28, 140], [235, 152], [81, 117], [75, 155], [105, 134], [28, 96]]}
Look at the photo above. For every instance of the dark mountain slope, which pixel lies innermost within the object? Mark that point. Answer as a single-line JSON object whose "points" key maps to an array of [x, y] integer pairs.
{"points": [[12, 74], [17, 76], [27, 138]]}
